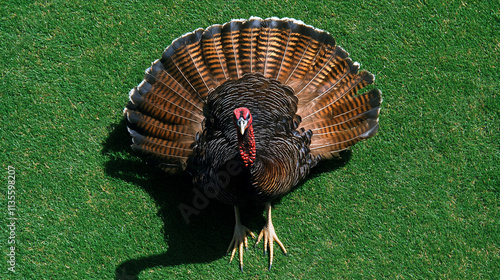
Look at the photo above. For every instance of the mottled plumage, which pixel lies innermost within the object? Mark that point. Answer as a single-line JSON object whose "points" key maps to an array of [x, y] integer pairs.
{"points": [[298, 88], [282, 158]]}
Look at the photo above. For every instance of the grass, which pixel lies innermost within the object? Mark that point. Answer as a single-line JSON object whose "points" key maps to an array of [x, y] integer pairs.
{"points": [[418, 201]]}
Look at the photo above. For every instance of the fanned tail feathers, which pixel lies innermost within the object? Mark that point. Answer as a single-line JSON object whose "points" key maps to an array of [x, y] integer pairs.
{"points": [[166, 110]]}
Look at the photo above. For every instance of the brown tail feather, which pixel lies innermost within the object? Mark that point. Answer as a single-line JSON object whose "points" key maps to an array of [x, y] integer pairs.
{"points": [[324, 79], [326, 128], [347, 109], [348, 86], [271, 48], [149, 100], [214, 54], [184, 61], [349, 121], [158, 129], [311, 83], [330, 107], [163, 151], [167, 106], [168, 87], [230, 44], [249, 34], [330, 144]]}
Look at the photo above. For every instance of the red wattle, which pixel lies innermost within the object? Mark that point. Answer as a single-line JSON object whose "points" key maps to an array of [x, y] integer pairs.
{"points": [[246, 147]]}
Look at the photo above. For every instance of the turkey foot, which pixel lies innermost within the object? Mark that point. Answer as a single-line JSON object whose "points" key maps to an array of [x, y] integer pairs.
{"points": [[269, 236], [240, 238]]}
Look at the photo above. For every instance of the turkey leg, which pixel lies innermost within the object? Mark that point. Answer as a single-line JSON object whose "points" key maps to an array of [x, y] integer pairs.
{"points": [[269, 236], [240, 238]]}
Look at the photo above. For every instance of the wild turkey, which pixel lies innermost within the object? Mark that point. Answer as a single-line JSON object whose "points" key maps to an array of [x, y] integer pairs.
{"points": [[260, 101]]}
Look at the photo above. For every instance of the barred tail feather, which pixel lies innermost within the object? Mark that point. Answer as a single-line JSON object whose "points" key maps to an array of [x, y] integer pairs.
{"points": [[166, 110], [158, 129], [342, 140], [214, 54], [171, 155], [344, 123]]}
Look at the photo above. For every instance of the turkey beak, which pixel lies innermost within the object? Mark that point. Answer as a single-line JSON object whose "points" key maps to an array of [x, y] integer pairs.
{"points": [[242, 124]]}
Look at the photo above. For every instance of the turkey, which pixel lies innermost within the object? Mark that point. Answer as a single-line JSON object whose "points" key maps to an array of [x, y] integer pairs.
{"points": [[247, 108]]}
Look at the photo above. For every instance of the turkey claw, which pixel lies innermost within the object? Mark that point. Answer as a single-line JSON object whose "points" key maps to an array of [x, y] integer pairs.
{"points": [[239, 241], [269, 236]]}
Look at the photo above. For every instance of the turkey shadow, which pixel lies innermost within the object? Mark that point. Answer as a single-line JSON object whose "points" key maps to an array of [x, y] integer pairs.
{"points": [[192, 235]]}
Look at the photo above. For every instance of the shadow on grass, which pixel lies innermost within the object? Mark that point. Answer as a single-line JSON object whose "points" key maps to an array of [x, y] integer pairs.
{"points": [[204, 236]]}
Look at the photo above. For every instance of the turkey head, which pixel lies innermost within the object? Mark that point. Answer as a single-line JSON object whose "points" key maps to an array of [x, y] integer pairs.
{"points": [[246, 139]]}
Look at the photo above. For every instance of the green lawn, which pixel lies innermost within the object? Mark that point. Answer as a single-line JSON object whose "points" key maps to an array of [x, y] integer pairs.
{"points": [[418, 201]]}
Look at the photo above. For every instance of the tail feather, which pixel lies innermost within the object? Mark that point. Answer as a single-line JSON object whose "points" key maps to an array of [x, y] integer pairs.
{"points": [[168, 87], [342, 118], [158, 129], [327, 78], [271, 48], [342, 122], [163, 105], [230, 44], [305, 56], [214, 54], [185, 62], [248, 49], [343, 88], [167, 107], [173, 152], [338, 141], [324, 61]]}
